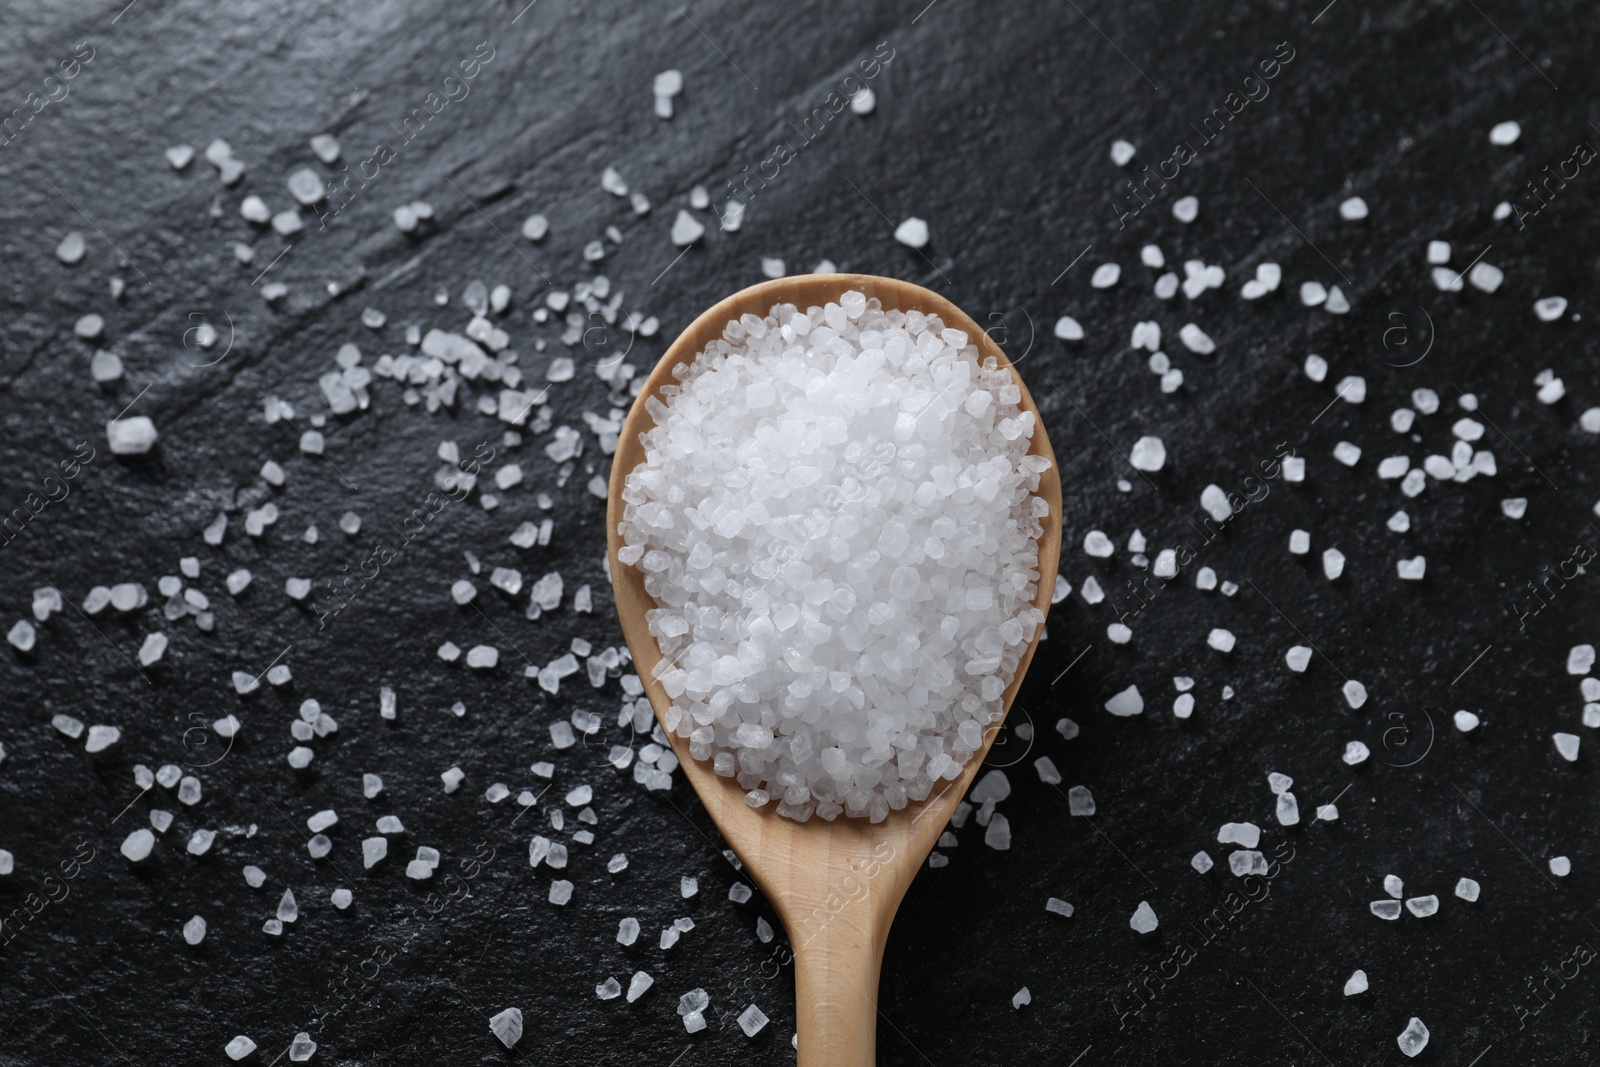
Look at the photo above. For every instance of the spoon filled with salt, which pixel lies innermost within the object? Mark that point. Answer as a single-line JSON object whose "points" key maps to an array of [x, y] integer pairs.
{"points": [[833, 524]]}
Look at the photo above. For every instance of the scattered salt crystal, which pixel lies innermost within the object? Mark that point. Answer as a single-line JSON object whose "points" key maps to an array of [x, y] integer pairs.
{"points": [[1332, 563], [239, 1047], [1394, 467], [1466, 721], [913, 233], [105, 366], [560, 891], [1105, 276], [1567, 745], [1196, 340], [102, 738], [1127, 702], [1201, 861], [1144, 919], [686, 229], [1353, 209], [1486, 276], [1388, 910], [1221, 640], [1186, 209], [1079, 801], [1148, 454], [138, 845], [1247, 861], [22, 637], [1414, 1038], [752, 1019], [1356, 752], [1057, 906], [131, 436], [1550, 308], [1045, 767], [507, 1026], [1316, 368], [1468, 889], [1356, 984], [1423, 907], [1560, 866], [1121, 153], [1505, 133], [610, 989], [1580, 659], [1354, 693]]}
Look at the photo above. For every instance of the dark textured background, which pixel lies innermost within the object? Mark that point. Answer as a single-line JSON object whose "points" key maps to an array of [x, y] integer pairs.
{"points": [[993, 123]]}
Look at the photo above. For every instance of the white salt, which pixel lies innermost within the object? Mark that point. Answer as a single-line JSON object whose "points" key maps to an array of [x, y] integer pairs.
{"points": [[913, 233], [1414, 1038], [1148, 454], [1422, 907], [825, 697], [507, 1026]]}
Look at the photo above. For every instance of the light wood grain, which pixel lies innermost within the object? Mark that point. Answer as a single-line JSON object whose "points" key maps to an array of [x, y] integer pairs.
{"points": [[836, 885]]}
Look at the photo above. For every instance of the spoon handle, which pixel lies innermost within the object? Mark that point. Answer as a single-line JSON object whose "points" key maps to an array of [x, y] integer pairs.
{"points": [[838, 955]]}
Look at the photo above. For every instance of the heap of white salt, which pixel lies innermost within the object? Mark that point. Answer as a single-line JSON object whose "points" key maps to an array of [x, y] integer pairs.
{"points": [[836, 516]]}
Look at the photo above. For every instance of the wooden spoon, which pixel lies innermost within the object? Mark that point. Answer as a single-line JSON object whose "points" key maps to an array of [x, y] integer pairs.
{"points": [[836, 884]]}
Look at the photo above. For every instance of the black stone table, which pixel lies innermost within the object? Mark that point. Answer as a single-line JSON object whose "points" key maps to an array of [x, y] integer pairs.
{"points": [[994, 123]]}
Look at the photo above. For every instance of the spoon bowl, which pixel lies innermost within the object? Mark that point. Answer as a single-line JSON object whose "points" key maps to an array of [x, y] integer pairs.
{"points": [[835, 885]]}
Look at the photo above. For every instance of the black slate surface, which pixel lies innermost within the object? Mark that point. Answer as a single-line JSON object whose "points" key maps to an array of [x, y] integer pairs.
{"points": [[993, 122]]}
